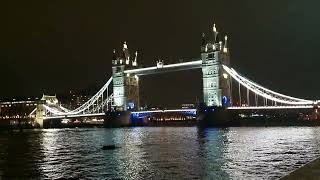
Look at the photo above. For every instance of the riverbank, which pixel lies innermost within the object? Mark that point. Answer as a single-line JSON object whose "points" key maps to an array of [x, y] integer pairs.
{"points": [[309, 171], [234, 122]]}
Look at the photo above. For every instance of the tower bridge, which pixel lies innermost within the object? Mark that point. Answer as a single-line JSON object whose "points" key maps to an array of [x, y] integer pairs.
{"points": [[120, 94]]}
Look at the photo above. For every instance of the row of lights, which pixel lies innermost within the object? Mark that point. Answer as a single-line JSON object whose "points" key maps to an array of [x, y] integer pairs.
{"points": [[10, 105], [173, 118], [16, 116]]}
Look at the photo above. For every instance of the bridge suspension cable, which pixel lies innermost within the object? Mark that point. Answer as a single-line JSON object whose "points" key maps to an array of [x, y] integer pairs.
{"points": [[87, 105], [265, 89], [264, 92]]}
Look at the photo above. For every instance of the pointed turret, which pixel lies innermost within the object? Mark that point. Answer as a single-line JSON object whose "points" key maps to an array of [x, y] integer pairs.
{"points": [[114, 57], [126, 53], [225, 47], [135, 63], [220, 46], [203, 42], [125, 46], [122, 57], [215, 33]]}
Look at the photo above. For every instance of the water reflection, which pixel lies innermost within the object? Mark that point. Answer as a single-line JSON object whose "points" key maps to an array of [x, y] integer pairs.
{"points": [[164, 153], [269, 152], [20, 153], [157, 153], [211, 149]]}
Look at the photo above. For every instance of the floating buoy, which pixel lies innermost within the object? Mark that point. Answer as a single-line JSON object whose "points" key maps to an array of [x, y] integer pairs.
{"points": [[109, 147]]}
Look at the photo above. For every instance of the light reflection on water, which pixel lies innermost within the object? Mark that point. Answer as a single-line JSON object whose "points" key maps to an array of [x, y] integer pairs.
{"points": [[158, 153]]}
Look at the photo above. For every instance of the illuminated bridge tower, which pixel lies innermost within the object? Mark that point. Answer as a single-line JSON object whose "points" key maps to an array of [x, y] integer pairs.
{"points": [[216, 83], [40, 113], [125, 86]]}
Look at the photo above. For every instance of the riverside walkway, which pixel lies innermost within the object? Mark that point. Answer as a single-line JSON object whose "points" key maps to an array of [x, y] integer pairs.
{"points": [[310, 171]]}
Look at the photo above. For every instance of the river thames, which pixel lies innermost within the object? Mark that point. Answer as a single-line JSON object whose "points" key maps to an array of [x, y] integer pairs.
{"points": [[157, 153]]}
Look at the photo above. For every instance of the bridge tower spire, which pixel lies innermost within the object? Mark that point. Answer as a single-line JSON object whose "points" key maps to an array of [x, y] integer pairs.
{"points": [[203, 42], [225, 45], [135, 62], [215, 33], [126, 53]]}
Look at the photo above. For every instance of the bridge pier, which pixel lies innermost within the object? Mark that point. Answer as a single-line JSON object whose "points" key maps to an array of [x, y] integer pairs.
{"points": [[213, 116], [40, 112], [117, 119]]}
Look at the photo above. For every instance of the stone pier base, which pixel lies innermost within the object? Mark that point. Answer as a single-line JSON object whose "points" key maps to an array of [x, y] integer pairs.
{"points": [[117, 119]]}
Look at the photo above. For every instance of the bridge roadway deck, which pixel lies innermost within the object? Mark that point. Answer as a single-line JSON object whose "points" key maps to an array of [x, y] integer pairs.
{"points": [[189, 110], [74, 116], [133, 112]]}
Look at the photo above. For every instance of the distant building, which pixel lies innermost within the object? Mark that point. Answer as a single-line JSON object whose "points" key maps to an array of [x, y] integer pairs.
{"points": [[16, 109], [188, 106], [74, 99]]}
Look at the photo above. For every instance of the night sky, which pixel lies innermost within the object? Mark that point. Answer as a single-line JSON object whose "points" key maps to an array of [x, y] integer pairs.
{"points": [[55, 46]]}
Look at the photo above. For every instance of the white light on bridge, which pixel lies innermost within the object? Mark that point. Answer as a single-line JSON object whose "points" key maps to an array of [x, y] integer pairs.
{"points": [[225, 75], [270, 107]]}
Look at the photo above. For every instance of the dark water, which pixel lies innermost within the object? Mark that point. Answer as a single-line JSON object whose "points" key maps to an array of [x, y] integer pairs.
{"points": [[157, 153]]}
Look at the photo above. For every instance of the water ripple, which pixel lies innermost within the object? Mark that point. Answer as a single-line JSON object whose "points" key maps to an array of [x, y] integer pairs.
{"points": [[157, 153]]}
